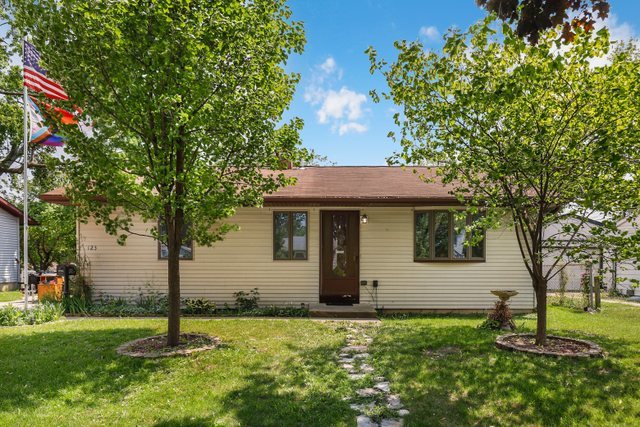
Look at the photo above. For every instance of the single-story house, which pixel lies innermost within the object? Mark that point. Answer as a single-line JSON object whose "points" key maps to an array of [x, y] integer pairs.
{"points": [[377, 235], [10, 264]]}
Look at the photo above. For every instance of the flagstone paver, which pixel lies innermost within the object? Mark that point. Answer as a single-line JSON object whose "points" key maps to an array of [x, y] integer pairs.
{"points": [[354, 359], [393, 401], [364, 421]]}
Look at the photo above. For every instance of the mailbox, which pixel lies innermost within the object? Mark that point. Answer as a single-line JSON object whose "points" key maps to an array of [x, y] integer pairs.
{"points": [[34, 279], [71, 269], [67, 271]]}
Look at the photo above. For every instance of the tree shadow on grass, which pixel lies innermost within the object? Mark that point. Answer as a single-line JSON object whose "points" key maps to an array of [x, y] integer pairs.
{"points": [[307, 389], [39, 365], [454, 375], [282, 381]]}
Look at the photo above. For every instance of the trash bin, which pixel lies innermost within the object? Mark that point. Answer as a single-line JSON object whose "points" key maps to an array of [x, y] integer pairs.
{"points": [[50, 286]]}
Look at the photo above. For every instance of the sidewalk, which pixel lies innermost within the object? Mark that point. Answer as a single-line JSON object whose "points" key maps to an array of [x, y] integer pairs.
{"points": [[617, 301], [33, 300]]}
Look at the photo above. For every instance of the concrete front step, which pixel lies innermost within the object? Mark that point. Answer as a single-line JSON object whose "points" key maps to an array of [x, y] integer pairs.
{"points": [[355, 311]]}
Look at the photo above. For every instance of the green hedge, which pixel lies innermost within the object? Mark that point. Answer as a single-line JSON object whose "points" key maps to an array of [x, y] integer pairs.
{"points": [[157, 305], [42, 313]]}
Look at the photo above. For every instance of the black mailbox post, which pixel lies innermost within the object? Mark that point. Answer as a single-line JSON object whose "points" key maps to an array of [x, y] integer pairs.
{"points": [[66, 271], [34, 279]]}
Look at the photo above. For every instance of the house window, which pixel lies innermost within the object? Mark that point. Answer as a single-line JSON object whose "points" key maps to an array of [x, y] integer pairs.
{"points": [[442, 236], [186, 250], [290, 235]]}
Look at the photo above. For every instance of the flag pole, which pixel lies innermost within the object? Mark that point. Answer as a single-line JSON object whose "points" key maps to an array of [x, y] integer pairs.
{"points": [[25, 179]]}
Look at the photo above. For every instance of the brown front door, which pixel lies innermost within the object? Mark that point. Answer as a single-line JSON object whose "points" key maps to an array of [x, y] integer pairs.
{"points": [[339, 257]]}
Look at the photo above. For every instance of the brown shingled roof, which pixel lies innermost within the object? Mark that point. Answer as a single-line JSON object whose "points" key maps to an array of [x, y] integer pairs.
{"points": [[348, 185], [362, 185]]}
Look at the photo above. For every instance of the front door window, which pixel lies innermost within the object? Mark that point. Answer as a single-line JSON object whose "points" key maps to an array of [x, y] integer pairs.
{"points": [[339, 248]]}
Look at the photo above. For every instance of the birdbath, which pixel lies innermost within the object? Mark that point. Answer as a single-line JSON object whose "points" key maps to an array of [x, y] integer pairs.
{"points": [[504, 295], [501, 313]]}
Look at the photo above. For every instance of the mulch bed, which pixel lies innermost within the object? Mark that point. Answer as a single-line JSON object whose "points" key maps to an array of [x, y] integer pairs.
{"points": [[556, 346], [156, 346]]}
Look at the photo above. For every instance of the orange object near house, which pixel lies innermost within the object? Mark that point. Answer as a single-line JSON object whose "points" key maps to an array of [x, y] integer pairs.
{"points": [[50, 286]]}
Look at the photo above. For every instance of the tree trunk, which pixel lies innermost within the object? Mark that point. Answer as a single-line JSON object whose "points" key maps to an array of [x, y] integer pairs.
{"points": [[541, 310], [174, 227], [175, 223]]}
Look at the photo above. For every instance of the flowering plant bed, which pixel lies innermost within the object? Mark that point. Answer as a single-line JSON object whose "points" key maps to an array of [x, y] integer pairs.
{"points": [[156, 346], [556, 346]]}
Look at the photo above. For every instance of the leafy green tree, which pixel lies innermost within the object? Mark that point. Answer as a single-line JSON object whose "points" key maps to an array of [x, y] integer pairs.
{"points": [[11, 154], [11, 113], [538, 131], [54, 238], [186, 98], [10, 110]]}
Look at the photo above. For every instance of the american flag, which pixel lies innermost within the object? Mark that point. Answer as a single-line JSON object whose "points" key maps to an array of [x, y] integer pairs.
{"points": [[36, 78]]}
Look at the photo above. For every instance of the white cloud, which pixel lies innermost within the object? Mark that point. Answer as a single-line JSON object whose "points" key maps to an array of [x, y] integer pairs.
{"points": [[321, 74], [337, 105], [313, 94], [354, 127], [341, 109], [431, 33], [618, 31], [329, 65]]}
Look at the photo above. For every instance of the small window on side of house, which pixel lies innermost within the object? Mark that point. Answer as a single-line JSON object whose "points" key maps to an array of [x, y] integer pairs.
{"points": [[477, 249], [443, 236], [422, 245], [186, 250], [290, 235]]}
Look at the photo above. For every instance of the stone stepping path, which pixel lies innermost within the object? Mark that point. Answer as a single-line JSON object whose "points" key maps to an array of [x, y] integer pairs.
{"points": [[375, 404]]}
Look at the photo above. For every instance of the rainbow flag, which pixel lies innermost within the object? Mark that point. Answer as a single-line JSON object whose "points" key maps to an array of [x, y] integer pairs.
{"points": [[40, 132]]}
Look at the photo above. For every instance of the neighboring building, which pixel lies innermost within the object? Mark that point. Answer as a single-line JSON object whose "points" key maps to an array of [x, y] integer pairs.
{"points": [[572, 270], [626, 272], [329, 238], [621, 275], [10, 222]]}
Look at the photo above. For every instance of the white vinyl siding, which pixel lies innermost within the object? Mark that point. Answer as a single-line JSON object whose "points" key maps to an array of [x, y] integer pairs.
{"points": [[9, 247], [386, 255], [244, 260]]}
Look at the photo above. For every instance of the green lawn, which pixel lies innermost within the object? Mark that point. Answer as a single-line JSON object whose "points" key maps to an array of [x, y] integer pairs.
{"points": [[473, 383], [10, 296], [284, 373], [271, 372]]}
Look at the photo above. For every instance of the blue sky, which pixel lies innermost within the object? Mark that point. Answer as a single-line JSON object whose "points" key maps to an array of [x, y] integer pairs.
{"points": [[341, 121]]}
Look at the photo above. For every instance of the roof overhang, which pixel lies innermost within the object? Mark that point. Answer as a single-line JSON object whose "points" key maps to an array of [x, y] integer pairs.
{"points": [[14, 211], [269, 201], [369, 201], [54, 198]]}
